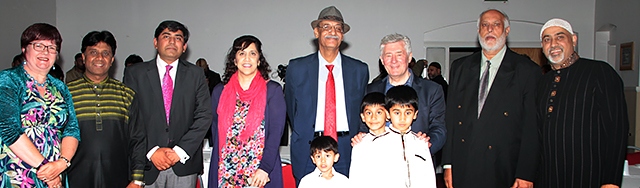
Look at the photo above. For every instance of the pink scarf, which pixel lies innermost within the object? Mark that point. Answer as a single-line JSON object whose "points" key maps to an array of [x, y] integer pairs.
{"points": [[256, 95]]}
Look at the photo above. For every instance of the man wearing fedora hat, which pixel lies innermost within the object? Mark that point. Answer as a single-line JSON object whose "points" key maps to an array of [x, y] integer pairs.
{"points": [[323, 94], [582, 114]]}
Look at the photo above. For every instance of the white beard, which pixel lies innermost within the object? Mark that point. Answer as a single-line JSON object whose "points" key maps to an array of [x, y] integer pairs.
{"points": [[560, 56], [500, 42]]}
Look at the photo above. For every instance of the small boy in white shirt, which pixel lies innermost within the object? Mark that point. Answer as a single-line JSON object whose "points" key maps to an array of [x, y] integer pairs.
{"points": [[401, 103], [324, 153], [370, 156]]}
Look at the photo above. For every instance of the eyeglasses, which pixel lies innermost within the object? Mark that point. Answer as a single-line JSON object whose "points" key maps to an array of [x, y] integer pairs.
{"points": [[326, 27], [41, 47], [95, 53]]}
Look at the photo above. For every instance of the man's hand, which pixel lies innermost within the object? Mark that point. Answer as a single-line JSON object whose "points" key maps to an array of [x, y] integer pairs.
{"points": [[260, 178], [51, 170], [609, 186], [160, 159], [133, 185], [447, 178], [520, 183], [357, 139], [424, 137], [172, 156]]}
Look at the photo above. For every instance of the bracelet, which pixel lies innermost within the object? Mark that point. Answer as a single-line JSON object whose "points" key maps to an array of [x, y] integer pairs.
{"points": [[66, 160], [44, 162], [139, 183]]}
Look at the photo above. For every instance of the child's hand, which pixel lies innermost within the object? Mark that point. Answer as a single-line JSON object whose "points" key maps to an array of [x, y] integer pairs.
{"points": [[357, 139]]}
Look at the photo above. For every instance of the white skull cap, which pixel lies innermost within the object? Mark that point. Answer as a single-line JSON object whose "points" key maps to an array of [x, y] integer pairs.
{"points": [[556, 22]]}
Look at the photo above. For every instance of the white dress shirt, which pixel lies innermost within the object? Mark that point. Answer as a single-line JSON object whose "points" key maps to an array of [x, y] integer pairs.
{"points": [[341, 109]]}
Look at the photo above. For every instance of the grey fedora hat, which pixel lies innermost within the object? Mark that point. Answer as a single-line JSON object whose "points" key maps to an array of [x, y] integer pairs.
{"points": [[331, 13]]}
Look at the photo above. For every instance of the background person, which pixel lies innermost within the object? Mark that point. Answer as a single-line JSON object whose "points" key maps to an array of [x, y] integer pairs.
{"points": [[77, 71]]}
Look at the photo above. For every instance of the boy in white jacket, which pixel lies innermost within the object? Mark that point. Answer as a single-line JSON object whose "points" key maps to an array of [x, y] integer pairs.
{"points": [[396, 156]]}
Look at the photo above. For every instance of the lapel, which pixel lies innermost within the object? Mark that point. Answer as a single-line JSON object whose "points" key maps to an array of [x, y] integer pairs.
{"points": [[154, 81], [471, 82], [500, 83], [417, 83], [181, 77], [348, 85], [312, 72]]}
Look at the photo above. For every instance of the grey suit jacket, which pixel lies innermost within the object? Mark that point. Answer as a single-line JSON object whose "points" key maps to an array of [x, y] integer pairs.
{"points": [[190, 113]]}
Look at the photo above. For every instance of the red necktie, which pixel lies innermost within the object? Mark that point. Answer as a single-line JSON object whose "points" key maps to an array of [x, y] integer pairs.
{"points": [[330, 106], [167, 91]]}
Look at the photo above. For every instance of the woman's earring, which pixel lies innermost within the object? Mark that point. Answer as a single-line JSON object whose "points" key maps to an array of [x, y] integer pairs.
{"points": [[24, 62]]}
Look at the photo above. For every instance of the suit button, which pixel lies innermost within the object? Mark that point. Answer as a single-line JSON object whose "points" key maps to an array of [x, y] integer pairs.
{"points": [[550, 109], [462, 140], [490, 147], [553, 93], [459, 122], [459, 106], [506, 114], [166, 129]]}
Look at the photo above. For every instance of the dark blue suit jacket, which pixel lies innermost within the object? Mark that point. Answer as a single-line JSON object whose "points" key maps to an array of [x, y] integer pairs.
{"points": [[301, 96], [431, 109]]}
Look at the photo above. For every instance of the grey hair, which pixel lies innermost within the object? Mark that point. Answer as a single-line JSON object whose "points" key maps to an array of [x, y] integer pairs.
{"points": [[506, 20], [391, 38]]}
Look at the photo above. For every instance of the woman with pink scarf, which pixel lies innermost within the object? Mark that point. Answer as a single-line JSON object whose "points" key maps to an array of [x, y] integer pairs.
{"points": [[248, 120]]}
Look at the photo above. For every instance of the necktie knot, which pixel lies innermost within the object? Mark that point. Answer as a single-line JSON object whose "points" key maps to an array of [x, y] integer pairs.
{"points": [[488, 63], [330, 67], [168, 67]]}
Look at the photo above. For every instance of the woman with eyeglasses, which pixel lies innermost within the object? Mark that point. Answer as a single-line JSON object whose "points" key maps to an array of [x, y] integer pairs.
{"points": [[38, 127]]}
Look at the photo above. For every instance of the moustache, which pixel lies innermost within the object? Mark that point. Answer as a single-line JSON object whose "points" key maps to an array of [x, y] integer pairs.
{"points": [[332, 37], [555, 48], [490, 35]]}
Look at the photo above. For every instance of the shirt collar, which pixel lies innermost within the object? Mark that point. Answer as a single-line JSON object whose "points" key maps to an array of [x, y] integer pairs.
{"points": [[336, 62], [408, 83], [497, 59], [161, 63]]}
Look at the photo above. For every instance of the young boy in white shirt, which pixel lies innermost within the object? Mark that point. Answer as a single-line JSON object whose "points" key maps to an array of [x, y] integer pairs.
{"points": [[401, 103], [324, 153], [369, 158]]}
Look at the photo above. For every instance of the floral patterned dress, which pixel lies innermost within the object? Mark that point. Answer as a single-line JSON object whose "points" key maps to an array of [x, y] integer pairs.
{"points": [[239, 159], [42, 118]]}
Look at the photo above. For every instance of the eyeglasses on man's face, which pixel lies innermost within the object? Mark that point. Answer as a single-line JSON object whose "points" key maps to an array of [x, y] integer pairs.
{"points": [[327, 27]]}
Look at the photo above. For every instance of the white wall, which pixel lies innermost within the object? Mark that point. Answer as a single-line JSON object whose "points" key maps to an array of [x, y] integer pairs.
{"points": [[284, 26], [623, 14], [17, 15]]}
